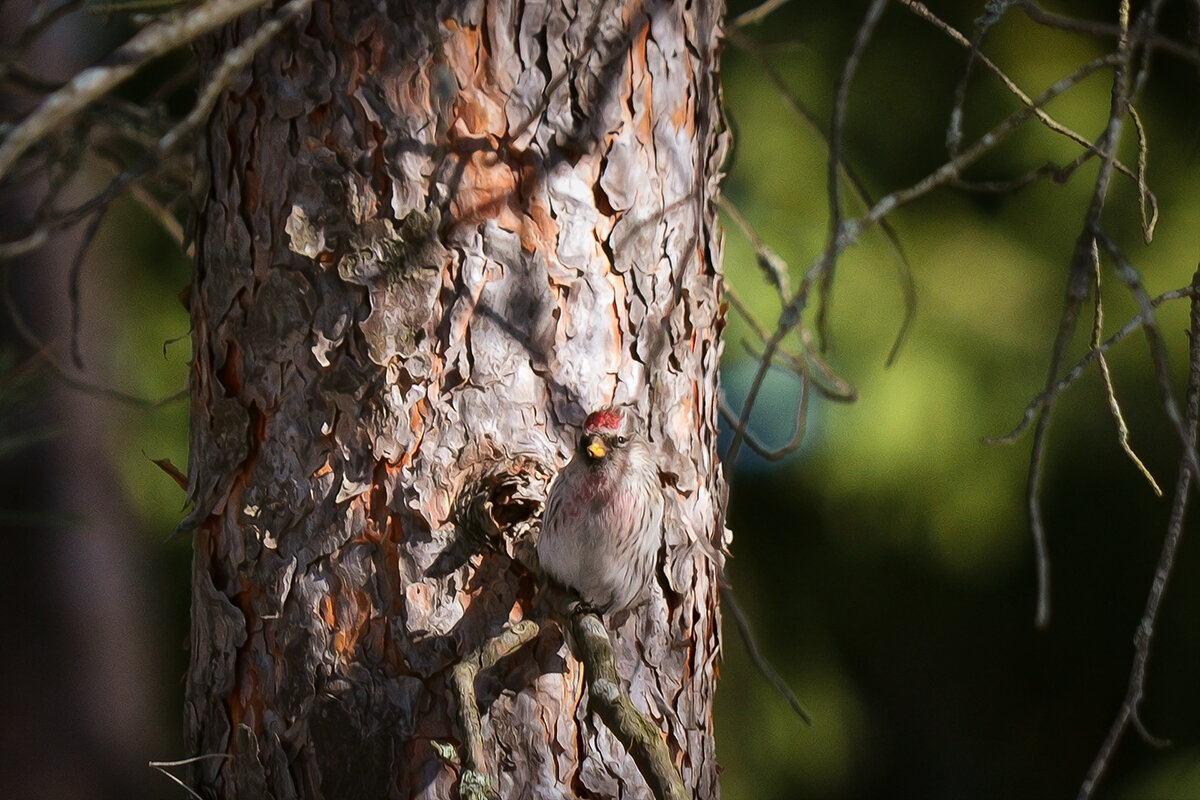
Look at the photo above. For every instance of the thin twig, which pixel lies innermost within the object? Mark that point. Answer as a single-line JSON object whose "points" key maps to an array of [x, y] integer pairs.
{"points": [[1079, 281], [837, 134], [1158, 351], [37, 25], [1146, 203], [772, 265], [161, 766], [953, 167], [27, 244], [811, 367], [756, 656], [1147, 38], [1106, 376], [820, 273], [63, 373], [922, 11], [1033, 488], [156, 39], [74, 273], [756, 14], [739, 430], [1059, 174], [232, 63], [1130, 711], [857, 185], [1081, 366], [849, 231], [764, 450]]}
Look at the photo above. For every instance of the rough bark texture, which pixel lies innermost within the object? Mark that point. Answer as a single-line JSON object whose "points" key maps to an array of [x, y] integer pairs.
{"points": [[435, 236]]}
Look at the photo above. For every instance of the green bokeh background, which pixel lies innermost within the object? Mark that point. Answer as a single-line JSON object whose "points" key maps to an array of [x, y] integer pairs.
{"points": [[887, 566]]}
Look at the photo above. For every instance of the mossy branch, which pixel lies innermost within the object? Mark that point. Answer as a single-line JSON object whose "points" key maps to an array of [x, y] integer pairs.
{"points": [[641, 738], [475, 781]]}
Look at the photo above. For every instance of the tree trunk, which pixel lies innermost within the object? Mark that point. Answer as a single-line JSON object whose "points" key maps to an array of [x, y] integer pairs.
{"points": [[432, 240]]}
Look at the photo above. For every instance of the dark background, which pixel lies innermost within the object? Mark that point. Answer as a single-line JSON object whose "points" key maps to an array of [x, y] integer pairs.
{"points": [[889, 564]]}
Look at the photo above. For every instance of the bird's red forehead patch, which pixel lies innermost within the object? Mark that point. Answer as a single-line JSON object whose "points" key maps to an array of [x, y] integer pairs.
{"points": [[606, 419]]}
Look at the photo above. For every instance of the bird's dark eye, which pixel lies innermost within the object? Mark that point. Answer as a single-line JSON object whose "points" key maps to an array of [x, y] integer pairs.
{"points": [[622, 440]]}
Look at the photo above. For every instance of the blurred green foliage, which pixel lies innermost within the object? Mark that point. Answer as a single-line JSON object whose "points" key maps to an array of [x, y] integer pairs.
{"points": [[888, 564]]}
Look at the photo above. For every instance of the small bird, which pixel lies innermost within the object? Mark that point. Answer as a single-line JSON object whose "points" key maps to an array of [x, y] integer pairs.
{"points": [[603, 523]]}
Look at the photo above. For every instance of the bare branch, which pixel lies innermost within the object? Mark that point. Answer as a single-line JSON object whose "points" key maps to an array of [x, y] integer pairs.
{"points": [[161, 766], [38, 24], [1143, 36], [811, 367], [62, 371], [1110, 390], [1077, 371], [28, 244], [857, 186], [756, 14], [1146, 202], [843, 234], [1059, 174], [232, 64], [837, 132], [1158, 352], [1130, 711], [159, 37], [1079, 282], [952, 169], [222, 76], [922, 11], [757, 658]]}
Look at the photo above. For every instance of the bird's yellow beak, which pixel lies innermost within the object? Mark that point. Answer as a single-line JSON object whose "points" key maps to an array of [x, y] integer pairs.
{"points": [[596, 449]]}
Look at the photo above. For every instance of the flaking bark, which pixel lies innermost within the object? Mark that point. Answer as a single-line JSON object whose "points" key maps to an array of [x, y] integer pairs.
{"points": [[433, 237]]}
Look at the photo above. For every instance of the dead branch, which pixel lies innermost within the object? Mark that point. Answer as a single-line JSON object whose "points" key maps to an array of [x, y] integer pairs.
{"points": [[1130, 712], [160, 37]]}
